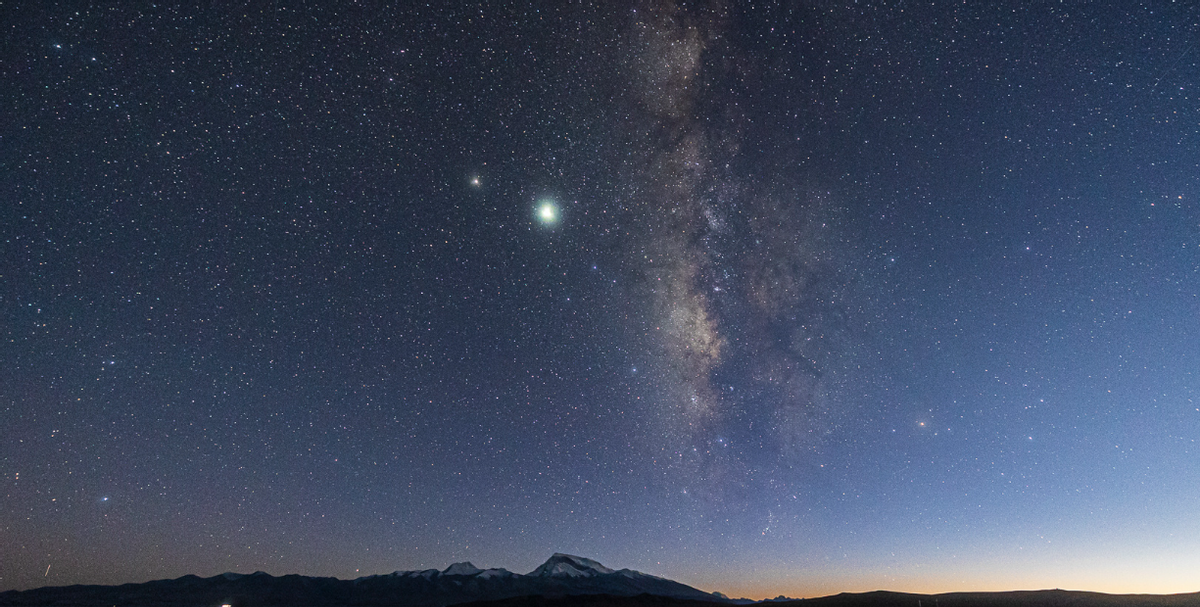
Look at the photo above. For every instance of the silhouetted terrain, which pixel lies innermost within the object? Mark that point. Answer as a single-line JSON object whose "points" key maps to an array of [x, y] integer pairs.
{"points": [[1040, 598], [561, 575], [1035, 598], [562, 581], [596, 600]]}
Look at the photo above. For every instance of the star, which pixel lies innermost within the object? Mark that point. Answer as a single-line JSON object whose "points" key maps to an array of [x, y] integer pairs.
{"points": [[547, 212]]}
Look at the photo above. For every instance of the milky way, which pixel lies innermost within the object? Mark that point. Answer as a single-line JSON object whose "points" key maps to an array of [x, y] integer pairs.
{"points": [[742, 278]]}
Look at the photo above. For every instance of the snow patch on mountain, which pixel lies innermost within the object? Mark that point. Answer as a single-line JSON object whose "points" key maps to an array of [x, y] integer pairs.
{"points": [[427, 574], [488, 574]]}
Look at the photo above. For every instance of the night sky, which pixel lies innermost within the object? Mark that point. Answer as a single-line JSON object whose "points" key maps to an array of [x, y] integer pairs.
{"points": [[786, 298]]}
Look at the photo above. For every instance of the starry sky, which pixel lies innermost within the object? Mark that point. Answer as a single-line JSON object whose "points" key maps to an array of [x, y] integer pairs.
{"points": [[768, 298]]}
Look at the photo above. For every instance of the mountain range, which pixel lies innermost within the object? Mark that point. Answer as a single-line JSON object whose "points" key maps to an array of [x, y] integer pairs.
{"points": [[562, 581], [560, 575]]}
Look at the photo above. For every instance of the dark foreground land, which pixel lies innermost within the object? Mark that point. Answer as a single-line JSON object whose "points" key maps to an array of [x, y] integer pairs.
{"points": [[1039, 598], [1033, 598], [562, 581], [71, 597]]}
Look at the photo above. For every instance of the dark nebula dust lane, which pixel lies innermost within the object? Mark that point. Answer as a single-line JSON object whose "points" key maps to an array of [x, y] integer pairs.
{"points": [[765, 298], [747, 282]]}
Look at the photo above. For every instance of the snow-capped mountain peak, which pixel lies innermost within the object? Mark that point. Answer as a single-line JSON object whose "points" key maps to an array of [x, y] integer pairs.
{"points": [[566, 565], [462, 569]]}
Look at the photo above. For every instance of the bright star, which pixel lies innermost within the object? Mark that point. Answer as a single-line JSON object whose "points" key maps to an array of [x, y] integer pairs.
{"points": [[547, 212]]}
